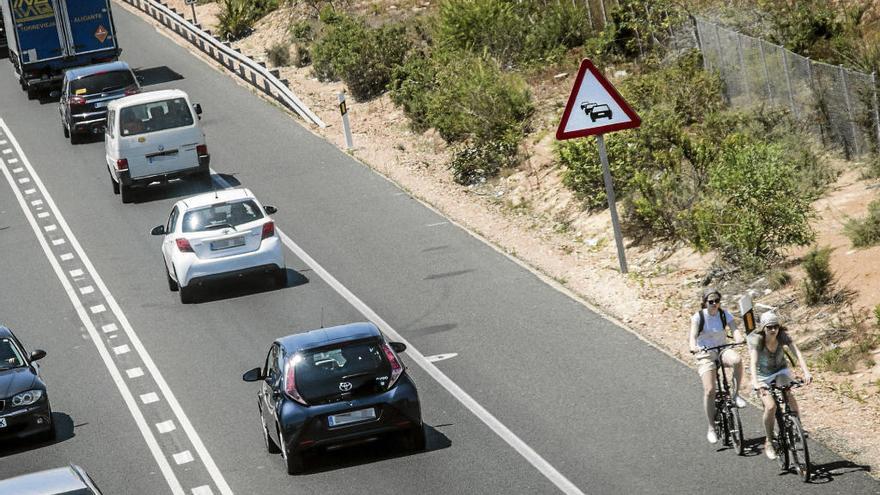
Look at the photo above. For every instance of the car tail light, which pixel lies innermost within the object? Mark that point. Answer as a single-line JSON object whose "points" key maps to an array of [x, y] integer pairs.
{"points": [[77, 101], [290, 380], [202, 149], [183, 245], [122, 164], [268, 230], [132, 90], [396, 367]]}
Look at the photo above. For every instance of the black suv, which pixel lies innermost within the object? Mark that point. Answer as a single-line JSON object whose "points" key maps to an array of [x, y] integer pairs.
{"points": [[85, 93], [334, 386], [24, 404]]}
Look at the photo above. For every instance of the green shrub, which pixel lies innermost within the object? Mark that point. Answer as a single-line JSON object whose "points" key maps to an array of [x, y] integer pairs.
{"points": [[279, 54], [559, 27], [236, 18], [872, 167], [301, 55], [475, 162], [473, 98], [752, 207], [362, 57], [496, 27], [412, 85], [301, 31], [778, 279], [818, 286], [836, 360], [642, 27], [865, 232], [877, 314]]}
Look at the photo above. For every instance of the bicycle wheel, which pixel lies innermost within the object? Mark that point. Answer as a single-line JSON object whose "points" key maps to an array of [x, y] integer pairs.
{"points": [[780, 443], [734, 429], [797, 445], [720, 429]]}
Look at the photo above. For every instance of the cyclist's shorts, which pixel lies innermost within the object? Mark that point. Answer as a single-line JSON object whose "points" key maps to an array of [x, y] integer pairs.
{"points": [[706, 360]]}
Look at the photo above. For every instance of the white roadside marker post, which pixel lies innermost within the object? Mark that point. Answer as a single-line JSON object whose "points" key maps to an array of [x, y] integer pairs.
{"points": [[343, 109], [601, 109], [192, 3]]}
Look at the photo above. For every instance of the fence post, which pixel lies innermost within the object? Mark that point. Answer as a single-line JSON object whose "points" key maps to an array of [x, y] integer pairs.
{"points": [[742, 64], [766, 72], [699, 36], [816, 97], [788, 83], [876, 112], [852, 121], [721, 63]]}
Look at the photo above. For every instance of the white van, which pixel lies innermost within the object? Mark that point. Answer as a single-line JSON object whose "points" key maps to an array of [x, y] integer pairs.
{"points": [[154, 137]]}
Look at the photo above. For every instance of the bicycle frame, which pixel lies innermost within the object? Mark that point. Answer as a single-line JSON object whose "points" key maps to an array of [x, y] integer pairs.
{"points": [[727, 420], [788, 429]]}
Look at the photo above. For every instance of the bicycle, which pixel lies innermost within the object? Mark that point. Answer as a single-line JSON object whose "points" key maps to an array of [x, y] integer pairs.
{"points": [[728, 426], [789, 440]]}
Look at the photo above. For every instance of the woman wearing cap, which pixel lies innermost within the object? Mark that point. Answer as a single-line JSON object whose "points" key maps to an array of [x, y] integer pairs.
{"points": [[768, 365], [708, 329]]}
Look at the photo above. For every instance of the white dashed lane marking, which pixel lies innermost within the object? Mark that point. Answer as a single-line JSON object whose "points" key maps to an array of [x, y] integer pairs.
{"points": [[12, 160], [202, 490], [29, 191], [123, 349], [134, 373], [37, 202], [441, 357], [436, 224], [76, 273], [43, 215], [183, 457], [50, 228], [98, 308], [165, 426], [58, 242], [110, 327], [149, 398], [17, 170], [86, 290]]}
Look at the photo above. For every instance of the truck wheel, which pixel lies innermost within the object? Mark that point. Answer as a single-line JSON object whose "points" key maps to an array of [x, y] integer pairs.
{"points": [[31, 93], [186, 294], [75, 137], [115, 185], [66, 132], [126, 192]]}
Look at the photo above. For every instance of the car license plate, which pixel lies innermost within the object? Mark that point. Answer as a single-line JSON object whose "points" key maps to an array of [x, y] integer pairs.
{"points": [[351, 417], [2, 422], [227, 243], [100, 104]]}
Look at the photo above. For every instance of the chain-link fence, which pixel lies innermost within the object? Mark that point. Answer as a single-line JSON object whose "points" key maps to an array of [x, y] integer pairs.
{"points": [[840, 103]]}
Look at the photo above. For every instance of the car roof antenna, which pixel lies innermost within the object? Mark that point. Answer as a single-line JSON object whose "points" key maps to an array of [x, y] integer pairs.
{"points": [[214, 187], [322, 316]]}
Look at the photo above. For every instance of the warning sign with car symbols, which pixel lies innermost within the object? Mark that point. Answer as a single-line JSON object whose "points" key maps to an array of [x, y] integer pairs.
{"points": [[594, 107]]}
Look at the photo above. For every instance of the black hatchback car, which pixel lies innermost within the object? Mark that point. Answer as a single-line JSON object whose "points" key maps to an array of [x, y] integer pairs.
{"points": [[335, 386], [24, 404], [85, 93]]}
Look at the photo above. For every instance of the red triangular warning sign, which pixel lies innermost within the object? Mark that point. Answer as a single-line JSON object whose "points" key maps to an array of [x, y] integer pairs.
{"points": [[594, 107]]}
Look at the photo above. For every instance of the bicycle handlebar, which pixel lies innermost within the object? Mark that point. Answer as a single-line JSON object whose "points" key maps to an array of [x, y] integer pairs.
{"points": [[794, 384], [717, 347]]}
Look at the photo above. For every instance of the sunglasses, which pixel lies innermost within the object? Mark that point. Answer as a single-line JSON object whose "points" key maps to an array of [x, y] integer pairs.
{"points": [[772, 327], [712, 301]]}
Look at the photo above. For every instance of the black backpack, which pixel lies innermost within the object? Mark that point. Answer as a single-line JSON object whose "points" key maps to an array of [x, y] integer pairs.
{"points": [[721, 312]]}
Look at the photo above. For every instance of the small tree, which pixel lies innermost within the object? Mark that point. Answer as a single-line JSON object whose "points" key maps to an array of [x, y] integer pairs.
{"points": [[818, 286]]}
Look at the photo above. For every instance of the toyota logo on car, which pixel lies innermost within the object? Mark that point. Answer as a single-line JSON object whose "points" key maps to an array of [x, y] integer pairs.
{"points": [[345, 386]]}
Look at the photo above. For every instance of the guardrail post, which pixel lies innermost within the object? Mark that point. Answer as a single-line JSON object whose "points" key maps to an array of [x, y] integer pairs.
{"points": [[346, 127]]}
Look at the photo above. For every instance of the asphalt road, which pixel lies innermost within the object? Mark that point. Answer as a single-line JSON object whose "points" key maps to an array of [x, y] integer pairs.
{"points": [[607, 412]]}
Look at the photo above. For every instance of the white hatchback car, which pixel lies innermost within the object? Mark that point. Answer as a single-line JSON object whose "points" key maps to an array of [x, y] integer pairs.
{"points": [[216, 235]]}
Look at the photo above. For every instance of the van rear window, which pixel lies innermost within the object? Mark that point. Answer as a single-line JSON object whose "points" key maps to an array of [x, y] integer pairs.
{"points": [[155, 116], [102, 82]]}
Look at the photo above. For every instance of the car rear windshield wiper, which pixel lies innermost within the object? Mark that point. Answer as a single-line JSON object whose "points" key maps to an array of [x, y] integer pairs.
{"points": [[112, 88], [220, 226], [355, 375]]}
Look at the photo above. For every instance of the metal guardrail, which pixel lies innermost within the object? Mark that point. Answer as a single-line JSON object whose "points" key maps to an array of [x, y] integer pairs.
{"points": [[252, 72]]}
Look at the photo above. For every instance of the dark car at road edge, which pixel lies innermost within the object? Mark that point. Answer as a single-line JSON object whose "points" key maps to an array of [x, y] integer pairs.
{"points": [[24, 402]]}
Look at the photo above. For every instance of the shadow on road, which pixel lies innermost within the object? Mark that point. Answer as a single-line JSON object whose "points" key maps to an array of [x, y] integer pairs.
{"points": [[245, 286], [156, 75], [825, 473], [378, 450], [177, 188], [751, 447], [64, 430]]}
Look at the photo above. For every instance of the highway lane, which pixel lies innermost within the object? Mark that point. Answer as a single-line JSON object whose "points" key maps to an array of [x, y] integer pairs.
{"points": [[543, 364]]}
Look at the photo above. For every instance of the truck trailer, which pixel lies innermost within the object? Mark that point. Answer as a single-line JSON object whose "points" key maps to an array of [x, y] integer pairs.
{"points": [[47, 37]]}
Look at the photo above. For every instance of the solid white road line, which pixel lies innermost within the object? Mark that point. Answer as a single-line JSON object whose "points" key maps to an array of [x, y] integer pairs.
{"points": [[127, 397], [170, 399], [478, 410]]}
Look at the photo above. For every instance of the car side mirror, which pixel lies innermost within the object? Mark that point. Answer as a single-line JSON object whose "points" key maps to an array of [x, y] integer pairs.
{"points": [[270, 209], [398, 346], [253, 375], [38, 354], [198, 108], [158, 230]]}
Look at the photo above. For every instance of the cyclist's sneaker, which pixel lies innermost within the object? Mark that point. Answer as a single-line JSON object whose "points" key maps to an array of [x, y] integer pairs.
{"points": [[711, 436], [740, 402], [769, 451]]}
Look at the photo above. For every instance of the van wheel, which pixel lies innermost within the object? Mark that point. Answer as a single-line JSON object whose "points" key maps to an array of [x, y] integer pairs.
{"points": [[31, 93], [115, 185], [75, 137], [126, 192], [66, 132]]}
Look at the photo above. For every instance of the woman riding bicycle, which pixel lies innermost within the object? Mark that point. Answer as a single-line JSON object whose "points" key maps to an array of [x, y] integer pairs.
{"points": [[708, 330], [768, 365]]}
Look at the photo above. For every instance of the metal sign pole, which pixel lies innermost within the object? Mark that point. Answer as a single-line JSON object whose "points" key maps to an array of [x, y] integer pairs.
{"points": [[609, 191], [193, 5], [343, 109]]}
